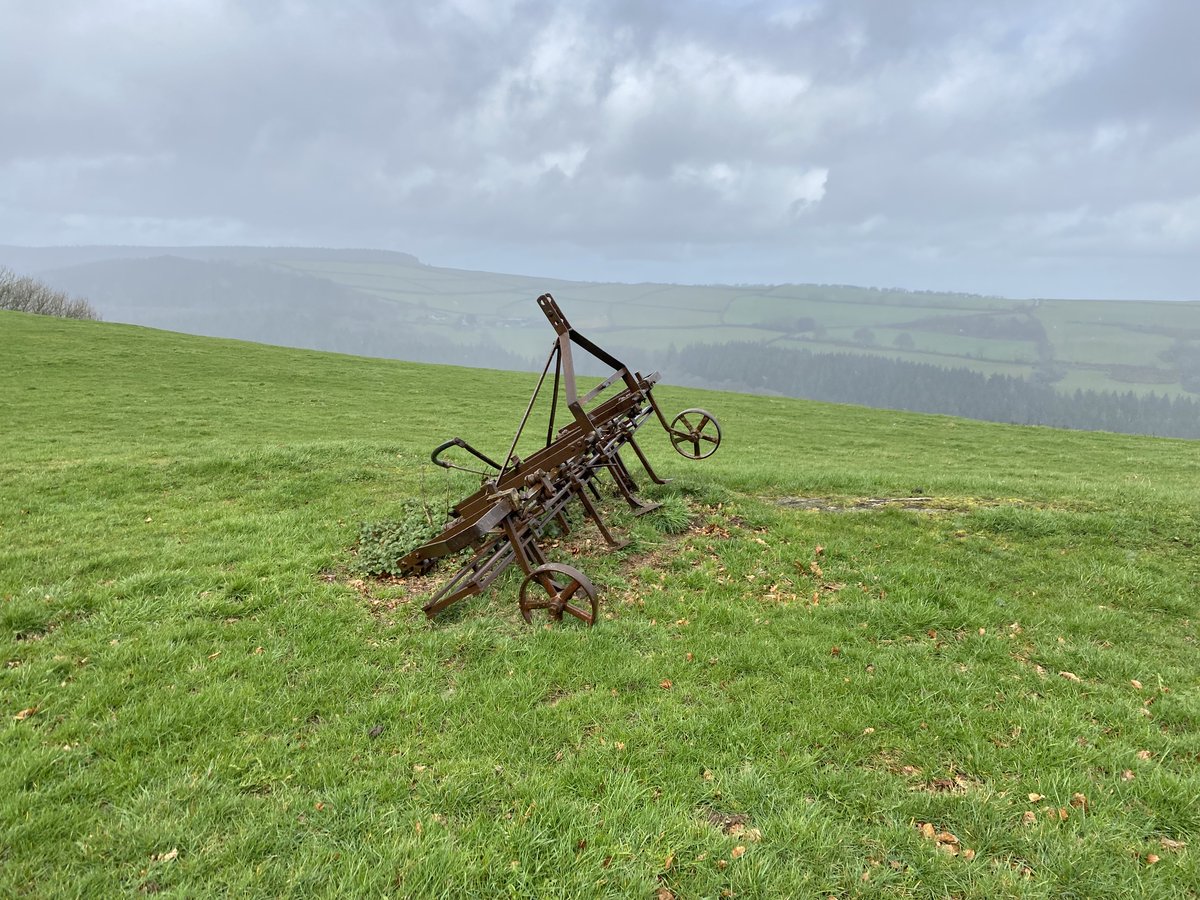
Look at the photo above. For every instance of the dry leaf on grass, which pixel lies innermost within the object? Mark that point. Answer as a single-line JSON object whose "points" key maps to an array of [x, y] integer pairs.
{"points": [[1070, 676], [1173, 846], [1143, 754], [25, 713], [1028, 818], [1036, 798], [165, 857], [737, 851]]}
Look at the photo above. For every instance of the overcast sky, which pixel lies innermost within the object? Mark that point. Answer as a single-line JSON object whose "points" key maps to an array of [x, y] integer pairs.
{"points": [[1021, 148]]}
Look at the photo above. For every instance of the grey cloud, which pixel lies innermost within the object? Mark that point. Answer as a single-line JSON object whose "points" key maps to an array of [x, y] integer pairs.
{"points": [[1001, 147]]}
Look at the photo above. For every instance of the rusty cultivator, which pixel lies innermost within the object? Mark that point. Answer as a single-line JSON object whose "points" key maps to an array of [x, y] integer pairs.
{"points": [[503, 521]]}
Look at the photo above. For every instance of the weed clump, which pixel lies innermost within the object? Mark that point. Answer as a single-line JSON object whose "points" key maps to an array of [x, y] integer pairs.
{"points": [[381, 545], [673, 517]]}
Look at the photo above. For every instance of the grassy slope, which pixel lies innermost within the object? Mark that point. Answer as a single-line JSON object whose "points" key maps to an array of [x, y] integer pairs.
{"points": [[204, 694]]}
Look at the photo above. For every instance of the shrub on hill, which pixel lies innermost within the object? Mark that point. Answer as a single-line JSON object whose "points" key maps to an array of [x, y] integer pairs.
{"points": [[381, 545], [25, 294]]}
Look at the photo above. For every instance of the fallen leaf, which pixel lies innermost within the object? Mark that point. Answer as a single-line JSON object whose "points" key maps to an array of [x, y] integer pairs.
{"points": [[722, 863], [1143, 754], [668, 862], [927, 830], [1079, 801], [1173, 846], [946, 837], [736, 852], [25, 713], [835, 651], [1035, 798], [818, 550], [665, 684], [1151, 859], [1070, 676], [664, 894], [968, 854], [1127, 775], [1028, 818], [868, 730], [165, 857], [418, 768], [1137, 684]]}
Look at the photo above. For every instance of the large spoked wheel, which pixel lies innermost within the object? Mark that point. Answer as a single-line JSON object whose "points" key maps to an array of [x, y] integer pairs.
{"points": [[695, 433], [558, 589]]}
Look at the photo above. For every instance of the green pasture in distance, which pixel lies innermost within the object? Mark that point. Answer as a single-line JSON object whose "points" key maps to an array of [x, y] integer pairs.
{"points": [[1103, 345], [822, 687], [884, 348]]}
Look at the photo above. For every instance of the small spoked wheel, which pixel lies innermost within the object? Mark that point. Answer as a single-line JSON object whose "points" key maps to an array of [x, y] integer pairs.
{"points": [[557, 589], [695, 433]]}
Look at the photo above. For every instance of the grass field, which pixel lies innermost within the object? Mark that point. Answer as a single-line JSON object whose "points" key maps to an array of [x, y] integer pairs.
{"points": [[821, 687]]}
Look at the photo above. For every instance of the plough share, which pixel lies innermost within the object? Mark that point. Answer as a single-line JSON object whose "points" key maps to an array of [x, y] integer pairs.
{"points": [[519, 499]]}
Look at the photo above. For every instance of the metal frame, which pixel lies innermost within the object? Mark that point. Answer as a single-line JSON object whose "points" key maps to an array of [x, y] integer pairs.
{"points": [[506, 518]]}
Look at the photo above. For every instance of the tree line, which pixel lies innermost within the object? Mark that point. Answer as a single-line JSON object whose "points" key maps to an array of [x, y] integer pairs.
{"points": [[24, 294], [923, 387]]}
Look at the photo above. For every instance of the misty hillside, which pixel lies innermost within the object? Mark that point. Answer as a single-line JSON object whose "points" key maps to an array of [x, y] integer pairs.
{"points": [[1110, 365]]}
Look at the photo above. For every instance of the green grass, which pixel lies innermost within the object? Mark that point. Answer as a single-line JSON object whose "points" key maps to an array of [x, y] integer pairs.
{"points": [[179, 604]]}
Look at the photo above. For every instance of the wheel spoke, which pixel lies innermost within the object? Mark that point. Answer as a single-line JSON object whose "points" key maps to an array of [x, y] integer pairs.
{"points": [[583, 615], [551, 587]]}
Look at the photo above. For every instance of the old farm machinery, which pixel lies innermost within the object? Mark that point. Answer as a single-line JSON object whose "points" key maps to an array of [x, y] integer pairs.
{"points": [[520, 499]]}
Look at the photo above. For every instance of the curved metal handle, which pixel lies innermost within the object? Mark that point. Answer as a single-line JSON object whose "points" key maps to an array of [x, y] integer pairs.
{"points": [[459, 442]]}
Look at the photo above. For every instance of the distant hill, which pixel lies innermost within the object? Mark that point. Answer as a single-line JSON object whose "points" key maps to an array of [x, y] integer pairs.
{"points": [[390, 304]]}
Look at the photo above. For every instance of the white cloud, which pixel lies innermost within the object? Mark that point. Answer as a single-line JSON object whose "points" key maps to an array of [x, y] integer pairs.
{"points": [[901, 130]]}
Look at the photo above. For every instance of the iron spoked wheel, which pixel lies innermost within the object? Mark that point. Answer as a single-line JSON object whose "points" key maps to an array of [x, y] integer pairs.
{"points": [[695, 433], [558, 589]]}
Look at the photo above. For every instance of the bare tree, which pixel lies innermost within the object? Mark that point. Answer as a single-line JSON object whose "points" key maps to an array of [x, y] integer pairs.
{"points": [[25, 294]]}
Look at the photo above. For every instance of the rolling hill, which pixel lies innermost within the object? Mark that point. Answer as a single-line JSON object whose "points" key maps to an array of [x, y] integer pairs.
{"points": [[894, 654], [383, 303]]}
